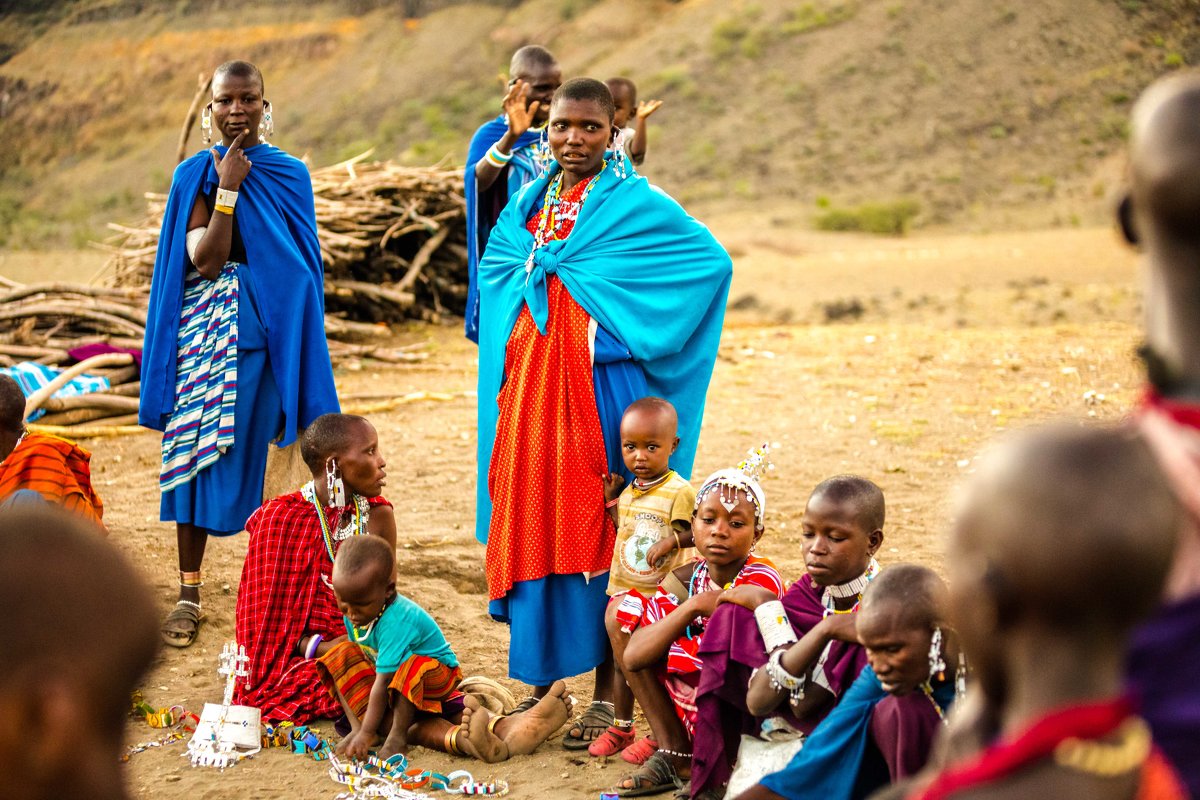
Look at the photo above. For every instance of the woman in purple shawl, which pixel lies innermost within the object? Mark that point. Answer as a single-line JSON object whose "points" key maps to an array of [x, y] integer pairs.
{"points": [[842, 530]]}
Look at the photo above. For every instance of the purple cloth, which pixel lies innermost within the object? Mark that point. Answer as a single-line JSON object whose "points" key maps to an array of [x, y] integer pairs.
{"points": [[904, 729], [731, 649], [1161, 671], [86, 351]]}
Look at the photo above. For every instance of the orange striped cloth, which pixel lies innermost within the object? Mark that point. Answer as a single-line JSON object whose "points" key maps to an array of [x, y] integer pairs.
{"points": [[55, 468], [425, 681]]}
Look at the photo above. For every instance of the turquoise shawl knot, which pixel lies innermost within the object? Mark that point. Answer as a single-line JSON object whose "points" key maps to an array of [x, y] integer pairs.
{"points": [[646, 271]]}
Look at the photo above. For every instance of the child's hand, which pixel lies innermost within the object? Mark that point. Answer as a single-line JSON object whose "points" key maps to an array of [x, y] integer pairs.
{"points": [[357, 744], [705, 603], [659, 552], [613, 484], [747, 596], [648, 107]]}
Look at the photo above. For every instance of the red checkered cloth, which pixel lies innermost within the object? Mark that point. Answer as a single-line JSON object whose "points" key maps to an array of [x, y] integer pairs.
{"points": [[284, 595]]}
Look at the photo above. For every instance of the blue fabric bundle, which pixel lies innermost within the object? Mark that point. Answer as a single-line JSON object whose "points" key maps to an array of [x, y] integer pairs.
{"points": [[278, 225], [646, 271]]}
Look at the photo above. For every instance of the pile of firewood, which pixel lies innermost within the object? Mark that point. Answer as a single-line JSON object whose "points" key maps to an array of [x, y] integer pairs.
{"points": [[393, 240], [44, 322]]}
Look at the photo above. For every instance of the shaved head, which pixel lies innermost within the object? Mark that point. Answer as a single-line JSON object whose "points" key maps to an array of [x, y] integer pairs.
{"points": [[530, 59], [327, 435], [1164, 158], [1072, 527], [79, 630], [914, 593], [240, 69], [858, 492], [655, 407], [359, 553]]}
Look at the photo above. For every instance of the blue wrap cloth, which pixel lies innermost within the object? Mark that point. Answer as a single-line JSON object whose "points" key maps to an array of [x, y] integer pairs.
{"points": [[484, 207], [278, 226], [647, 272], [31, 376]]}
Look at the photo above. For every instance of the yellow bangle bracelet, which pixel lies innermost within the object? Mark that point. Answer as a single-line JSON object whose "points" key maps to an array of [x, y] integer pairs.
{"points": [[224, 209]]}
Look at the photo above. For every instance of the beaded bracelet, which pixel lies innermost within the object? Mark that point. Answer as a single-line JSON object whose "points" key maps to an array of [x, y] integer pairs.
{"points": [[497, 158], [782, 680], [773, 625], [616, 501]]}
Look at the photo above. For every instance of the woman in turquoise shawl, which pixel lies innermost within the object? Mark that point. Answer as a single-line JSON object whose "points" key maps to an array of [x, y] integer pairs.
{"points": [[235, 353], [595, 289]]}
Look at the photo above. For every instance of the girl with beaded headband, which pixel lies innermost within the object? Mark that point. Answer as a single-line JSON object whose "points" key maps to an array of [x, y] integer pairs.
{"points": [[578, 262], [811, 631], [656, 640]]}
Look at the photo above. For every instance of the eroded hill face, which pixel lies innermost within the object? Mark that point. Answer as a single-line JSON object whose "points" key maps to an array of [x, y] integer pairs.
{"points": [[988, 114]]}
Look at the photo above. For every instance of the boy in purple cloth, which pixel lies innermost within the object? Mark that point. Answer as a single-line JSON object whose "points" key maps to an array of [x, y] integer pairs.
{"points": [[1161, 214], [842, 531]]}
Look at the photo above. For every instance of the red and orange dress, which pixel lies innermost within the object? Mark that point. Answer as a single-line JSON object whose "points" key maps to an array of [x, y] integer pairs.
{"points": [[549, 535]]}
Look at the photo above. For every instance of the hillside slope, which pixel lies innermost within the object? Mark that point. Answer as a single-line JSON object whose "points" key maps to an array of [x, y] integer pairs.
{"points": [[989, 114]]}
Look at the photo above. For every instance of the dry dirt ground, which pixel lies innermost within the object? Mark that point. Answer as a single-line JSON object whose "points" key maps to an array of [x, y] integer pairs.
{"points": [[957, 339]]}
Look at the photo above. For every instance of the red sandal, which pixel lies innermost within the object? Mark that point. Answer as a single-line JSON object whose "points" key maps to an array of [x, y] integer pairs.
{"points": [[639, 751], [611, 742]]}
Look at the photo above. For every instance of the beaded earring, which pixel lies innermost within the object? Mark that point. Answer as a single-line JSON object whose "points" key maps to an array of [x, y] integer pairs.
{"points": [[335, 485], [937, 663], [618, 151], [544, 156], [266, 125], [960, 676], [206, 124]]}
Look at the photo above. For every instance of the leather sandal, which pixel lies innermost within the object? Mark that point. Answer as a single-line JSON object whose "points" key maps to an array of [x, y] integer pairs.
{"points": [[182, 625]]}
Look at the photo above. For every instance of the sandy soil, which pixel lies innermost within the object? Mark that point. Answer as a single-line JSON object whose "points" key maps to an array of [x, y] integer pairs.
{"points": [[959, 338]]}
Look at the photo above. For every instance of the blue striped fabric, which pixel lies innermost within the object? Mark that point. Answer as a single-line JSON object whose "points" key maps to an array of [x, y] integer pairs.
{"points": [[31, 376], [201, 427]]}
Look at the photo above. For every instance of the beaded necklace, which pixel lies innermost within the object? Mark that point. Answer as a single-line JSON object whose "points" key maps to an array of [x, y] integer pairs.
{"points": [[854, 588], [927, 690], [556, 211], [702, 581], [357, 634], [357, 528], [639, 486]]}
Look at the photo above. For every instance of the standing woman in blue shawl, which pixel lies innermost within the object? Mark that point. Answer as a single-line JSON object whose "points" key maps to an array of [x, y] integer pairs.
{"points": [[596, 289], [505, 154], [235, 354]]}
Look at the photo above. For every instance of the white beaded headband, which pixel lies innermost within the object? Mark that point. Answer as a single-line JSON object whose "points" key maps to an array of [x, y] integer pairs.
{"points": [[745, 477]]}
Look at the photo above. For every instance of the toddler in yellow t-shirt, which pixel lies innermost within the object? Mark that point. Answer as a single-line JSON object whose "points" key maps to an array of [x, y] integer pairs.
{"points": [[653, 515]]}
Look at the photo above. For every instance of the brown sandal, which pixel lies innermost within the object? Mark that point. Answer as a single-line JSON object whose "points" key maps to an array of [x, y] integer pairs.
{"points": [[175, 634], [657, 775]]}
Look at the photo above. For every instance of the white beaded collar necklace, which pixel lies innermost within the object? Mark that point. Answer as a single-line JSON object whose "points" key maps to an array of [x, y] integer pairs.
{"points": [[853, 588]]}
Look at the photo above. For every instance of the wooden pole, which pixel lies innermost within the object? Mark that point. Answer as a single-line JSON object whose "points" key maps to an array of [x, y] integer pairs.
{"points": [[205, 83]]}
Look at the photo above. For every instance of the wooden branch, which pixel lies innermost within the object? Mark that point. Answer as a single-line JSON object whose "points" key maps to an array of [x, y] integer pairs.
{"points": [[82, 415], [422, 258], [205, 84], [35, 400], [95, 400]]}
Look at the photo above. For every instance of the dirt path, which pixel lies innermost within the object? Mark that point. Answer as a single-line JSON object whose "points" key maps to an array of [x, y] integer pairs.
{"points": [[966, 337]]}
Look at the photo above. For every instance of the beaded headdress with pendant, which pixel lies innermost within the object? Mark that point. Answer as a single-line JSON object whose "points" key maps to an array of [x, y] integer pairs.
{"points": [[745, 477]]}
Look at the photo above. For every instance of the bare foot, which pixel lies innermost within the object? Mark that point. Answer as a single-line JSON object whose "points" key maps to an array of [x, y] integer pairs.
{"points": [[525, 731], [480, 742], [392, 745]]}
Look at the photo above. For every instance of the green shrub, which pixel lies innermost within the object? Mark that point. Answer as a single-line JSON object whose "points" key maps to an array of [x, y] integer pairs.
{"points": [[891, 218]]}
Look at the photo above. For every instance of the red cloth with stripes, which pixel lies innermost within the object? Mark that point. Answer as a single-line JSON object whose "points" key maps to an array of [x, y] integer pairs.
{"points": [[284, 595], [548, 465]]}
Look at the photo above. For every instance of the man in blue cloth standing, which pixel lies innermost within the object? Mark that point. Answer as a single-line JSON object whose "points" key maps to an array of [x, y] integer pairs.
{"points": [[505, 154]]}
